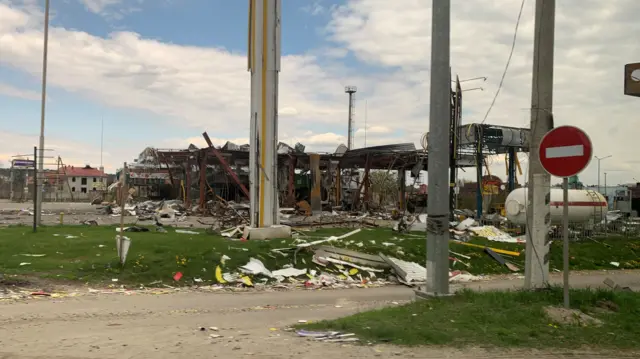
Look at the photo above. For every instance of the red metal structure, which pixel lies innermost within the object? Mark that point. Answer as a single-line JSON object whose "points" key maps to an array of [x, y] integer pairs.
{"points": [[225, 165]]}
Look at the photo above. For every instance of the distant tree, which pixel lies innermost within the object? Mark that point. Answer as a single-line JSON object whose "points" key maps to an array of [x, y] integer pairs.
{"points": [[384, 185]]}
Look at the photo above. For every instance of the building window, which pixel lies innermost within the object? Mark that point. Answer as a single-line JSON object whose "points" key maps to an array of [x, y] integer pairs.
{"points": [[73, 179], [73, 189], [83, 189], [94, 180], [84, 181]]}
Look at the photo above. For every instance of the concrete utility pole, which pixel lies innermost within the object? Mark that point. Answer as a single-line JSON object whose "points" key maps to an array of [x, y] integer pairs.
{"points": [[438, 150], [264, 65], [37, 185], [600, 159], [537, 250]]}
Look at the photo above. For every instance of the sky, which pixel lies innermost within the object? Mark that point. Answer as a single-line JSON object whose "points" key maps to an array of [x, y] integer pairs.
{"points": [[159, 73]]}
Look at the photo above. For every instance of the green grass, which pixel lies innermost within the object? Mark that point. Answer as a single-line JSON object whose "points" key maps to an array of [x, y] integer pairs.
{"points": [[91, 257], [498, 319]]}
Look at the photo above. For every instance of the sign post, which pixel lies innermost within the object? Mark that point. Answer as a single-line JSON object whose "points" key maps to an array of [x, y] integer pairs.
{"points": [[564, 152]]}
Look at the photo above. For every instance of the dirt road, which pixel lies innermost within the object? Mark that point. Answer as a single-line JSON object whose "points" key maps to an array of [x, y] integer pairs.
{"points": [[166, 326]]}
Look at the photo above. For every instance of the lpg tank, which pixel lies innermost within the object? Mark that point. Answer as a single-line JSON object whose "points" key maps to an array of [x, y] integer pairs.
{"points": [[584, 205]]}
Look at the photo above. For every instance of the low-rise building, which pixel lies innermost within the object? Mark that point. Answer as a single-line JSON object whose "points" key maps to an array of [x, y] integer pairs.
{"points": [[70, 183]]}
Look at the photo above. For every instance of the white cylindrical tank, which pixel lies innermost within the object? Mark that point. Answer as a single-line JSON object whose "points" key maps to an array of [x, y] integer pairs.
{"points": [[584, 205]]}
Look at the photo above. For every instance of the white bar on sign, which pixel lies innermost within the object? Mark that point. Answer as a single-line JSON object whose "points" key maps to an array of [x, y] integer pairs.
{"points": [[565, 151]]}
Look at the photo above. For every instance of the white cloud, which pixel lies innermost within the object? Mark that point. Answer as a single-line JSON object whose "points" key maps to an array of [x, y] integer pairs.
{"points": [[314, 8], [592, 46], [8, 90], [112, 10], [97, 6], [373, 130], [211, 90]]}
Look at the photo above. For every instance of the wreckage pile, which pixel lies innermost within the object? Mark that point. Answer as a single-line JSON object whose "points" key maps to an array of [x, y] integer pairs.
{"points": [[229, 213], [461, 230], [225, 213], [148, 210]]}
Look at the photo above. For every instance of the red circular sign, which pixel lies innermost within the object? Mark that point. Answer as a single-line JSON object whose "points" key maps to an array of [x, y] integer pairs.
{"points": [[565, 151]]}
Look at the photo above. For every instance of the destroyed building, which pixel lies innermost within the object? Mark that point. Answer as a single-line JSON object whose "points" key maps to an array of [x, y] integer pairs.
{"points": [[322, 180]]}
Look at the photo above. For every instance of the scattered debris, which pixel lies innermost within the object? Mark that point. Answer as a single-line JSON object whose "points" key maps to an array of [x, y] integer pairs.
{"points": [[498, 258], [133, 229], [612, 284], [571, 317], [184, 231], [496, 250], [255, 267], [351, 257], [289, 272], [328, 337]]}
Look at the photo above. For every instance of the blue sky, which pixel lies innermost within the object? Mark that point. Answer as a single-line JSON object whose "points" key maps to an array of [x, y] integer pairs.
{"points": [[161, 72], [199, 23]]}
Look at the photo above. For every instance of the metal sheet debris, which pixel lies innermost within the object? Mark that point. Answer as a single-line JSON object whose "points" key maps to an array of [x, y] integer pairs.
{"points": [[354, 257], [328, 337], [494, 234], [289, 272]]}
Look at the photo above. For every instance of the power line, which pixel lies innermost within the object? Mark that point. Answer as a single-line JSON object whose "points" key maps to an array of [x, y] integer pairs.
{"points": [[506, 67]]}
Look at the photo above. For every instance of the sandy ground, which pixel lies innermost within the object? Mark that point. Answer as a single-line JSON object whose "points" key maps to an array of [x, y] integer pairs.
{"points": [[252, 325]]}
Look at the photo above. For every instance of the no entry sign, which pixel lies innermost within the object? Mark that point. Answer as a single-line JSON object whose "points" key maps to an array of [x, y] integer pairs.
{"points": [[565, 151]]}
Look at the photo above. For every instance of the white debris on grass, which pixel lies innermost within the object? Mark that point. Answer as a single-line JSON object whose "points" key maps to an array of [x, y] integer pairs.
{"points": [[255, 267]]}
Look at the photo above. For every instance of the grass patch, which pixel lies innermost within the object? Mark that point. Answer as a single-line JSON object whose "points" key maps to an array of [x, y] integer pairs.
{"points": [[499, 319], [89, 254]]}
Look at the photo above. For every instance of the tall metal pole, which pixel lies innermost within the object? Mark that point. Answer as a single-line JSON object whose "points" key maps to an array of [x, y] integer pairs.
{"points": [[351, 91], [599, 191], [438, 151], [537, 259], [101, 139], [565, 239], [600, 159], [350, 129], [36, 207], [606, 197], [45, 54]]}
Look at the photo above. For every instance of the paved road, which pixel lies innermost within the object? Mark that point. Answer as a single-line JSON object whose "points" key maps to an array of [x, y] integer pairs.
{"points": [[166, 326]]}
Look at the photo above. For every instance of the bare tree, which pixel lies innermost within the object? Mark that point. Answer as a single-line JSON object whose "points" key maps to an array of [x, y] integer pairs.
{"points": [[384, 185]]}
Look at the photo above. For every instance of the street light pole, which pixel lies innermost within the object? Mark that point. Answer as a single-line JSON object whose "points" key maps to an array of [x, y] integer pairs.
{"points": [[600, 159], [40, 172]]}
